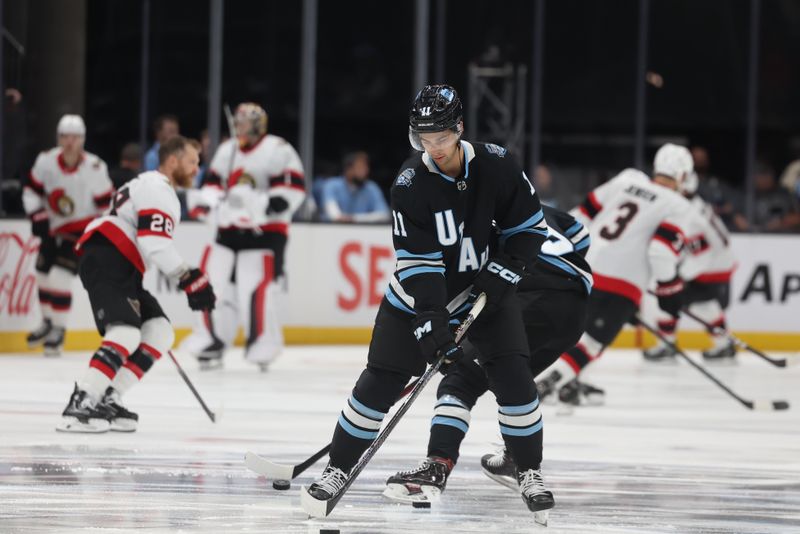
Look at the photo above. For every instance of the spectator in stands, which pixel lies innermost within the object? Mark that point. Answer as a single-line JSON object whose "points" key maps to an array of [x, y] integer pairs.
{"points": [[165, 126], [727, 202], [543, 182], [775, 209], [353, 197], [130, 165], [205, 157]]}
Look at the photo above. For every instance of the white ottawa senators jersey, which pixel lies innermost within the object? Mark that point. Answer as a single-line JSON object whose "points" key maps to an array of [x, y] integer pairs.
{"points": [[709, 258], [270, 168], [141, 223], [71, 197], [636, 231]]}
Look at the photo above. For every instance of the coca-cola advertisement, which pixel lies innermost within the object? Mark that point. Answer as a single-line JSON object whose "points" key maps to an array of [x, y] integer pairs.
{"points": [[19, 304]]}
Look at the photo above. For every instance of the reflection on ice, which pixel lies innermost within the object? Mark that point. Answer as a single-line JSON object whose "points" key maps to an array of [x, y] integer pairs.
{"points": [[669, 453]]}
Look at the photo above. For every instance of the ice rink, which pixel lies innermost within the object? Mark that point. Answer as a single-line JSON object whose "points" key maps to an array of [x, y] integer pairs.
{"points": [[669, 452]]}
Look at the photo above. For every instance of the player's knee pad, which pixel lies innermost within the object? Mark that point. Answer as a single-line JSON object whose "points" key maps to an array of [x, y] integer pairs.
{"points": [[158, 334], [510, 380], [122, 338], [467, 381], [378, 388], [451, 411], [60, 278]]}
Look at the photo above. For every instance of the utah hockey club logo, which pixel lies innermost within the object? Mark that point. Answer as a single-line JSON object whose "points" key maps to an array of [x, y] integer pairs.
{"points": [[405, 177], [425, 112]]}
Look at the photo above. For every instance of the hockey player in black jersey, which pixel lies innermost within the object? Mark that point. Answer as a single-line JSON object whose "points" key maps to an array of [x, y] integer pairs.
{"points": [[444, 201], [552, 296]]}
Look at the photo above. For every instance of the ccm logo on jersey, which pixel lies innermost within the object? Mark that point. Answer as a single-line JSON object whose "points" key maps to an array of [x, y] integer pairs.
{"points": [[155, 223], [427, 328], [509, 276]]}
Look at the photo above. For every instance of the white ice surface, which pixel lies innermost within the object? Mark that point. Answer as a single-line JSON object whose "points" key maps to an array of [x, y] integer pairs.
{"points": [[669, 452]]}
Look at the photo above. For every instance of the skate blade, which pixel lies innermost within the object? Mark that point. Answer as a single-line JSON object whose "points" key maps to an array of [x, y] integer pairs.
{"points": [[411, 493], [594, 400], [123, 425], [210, 365], [541, 517], [94, 426], [52, 353], [722, 362], [508, 482], [565, 409]]}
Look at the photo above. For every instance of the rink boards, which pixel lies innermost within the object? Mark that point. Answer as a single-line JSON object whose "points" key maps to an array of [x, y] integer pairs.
{"points": [[338, 273]]}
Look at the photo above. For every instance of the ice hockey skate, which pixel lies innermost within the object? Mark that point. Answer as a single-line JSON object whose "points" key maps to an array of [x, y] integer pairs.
{"points": [[210, 358], [422, 484], [82, 414], [122, 419], [54, 341], [577, 393], [535, 495], [501, 468], [661, 353], [37, 337], [724, 353]]}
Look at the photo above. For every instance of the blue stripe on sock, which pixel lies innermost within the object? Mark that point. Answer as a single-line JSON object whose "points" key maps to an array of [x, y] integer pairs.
{"points": [[449, 421], [527, 431], [519, 410], [366, 411], [356, 432]]}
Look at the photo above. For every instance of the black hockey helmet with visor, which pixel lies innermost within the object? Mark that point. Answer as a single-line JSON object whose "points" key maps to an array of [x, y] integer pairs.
{"points": [[435, 109]]}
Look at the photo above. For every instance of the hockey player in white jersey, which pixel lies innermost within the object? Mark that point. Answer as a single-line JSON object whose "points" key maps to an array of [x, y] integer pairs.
{"points": [[66, 189], [707, 268], [261, 183], [636, 228], [114, 253]]}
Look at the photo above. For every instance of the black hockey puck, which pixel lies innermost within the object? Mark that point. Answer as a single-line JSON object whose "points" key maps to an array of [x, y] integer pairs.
{"points": [[421, 504], [282, 485], [329, 531]]}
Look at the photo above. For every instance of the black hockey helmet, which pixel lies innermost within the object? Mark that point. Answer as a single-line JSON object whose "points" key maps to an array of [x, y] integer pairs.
{"points": [[435, 108]]}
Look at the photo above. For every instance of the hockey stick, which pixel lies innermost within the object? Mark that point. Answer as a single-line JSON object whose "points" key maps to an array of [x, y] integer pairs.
{"points": [[269, 469], [738, 342], [727, 333], [317, 508], [209, 413], [760, 405]]}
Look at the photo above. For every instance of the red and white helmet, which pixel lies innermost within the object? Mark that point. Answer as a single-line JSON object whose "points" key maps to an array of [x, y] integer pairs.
{"points": [[250, 119]]}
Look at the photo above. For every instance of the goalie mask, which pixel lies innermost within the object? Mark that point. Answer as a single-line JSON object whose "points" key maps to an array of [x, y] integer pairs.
{"points": [[435, 109], [250, 120]]}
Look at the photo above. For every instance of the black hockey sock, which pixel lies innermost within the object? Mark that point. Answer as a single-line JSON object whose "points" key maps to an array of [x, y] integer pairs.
{"points": [[518, 409], [578, 356], [359, 423], [108, 358], [449, 425], [142, 360]]}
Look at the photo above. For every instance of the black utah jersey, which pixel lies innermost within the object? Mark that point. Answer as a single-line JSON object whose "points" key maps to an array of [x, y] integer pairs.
{"points": [[443, 226], [562, 258]]}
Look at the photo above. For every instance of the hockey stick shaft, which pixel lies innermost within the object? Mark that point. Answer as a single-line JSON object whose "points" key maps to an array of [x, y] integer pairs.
{"points": [[209, 413], [299, 468], [751, 405], [739, 342], [727, 333], [480, 302]]}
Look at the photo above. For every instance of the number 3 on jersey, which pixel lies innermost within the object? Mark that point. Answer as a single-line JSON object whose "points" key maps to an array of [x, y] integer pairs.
{"points": [[627, 212]]}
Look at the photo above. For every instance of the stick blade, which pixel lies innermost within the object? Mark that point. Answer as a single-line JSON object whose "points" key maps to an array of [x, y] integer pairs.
{"points": [[769, 406], [314, 507], [262, 466]]}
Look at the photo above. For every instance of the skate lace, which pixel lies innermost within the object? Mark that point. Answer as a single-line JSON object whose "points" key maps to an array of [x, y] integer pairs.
{"points": [[423, 465], [498, 459], [531, 481], [333, 480]]}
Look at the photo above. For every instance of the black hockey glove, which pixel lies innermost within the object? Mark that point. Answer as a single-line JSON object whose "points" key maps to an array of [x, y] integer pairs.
{"points": [[432, 330], [277, 205], [498, 279], [670, 296], [40, 224], [198, 290]]}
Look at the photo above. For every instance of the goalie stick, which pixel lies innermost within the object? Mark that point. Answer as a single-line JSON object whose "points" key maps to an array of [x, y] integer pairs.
{"points": [[317, 508], [760, 405]]}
